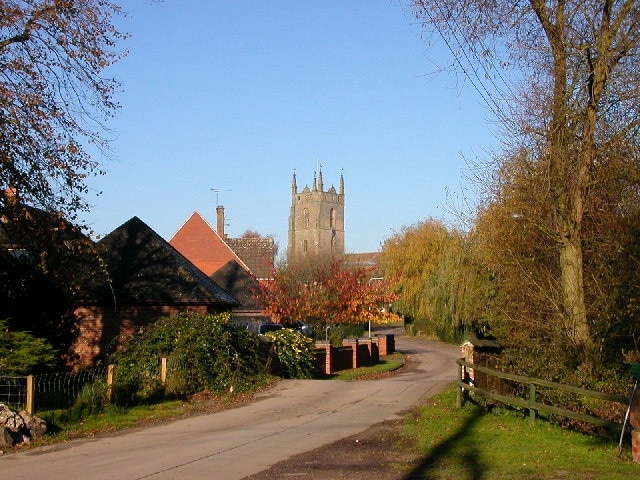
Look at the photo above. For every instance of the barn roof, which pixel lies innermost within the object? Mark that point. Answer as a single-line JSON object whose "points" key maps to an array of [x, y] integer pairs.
{"points": [[144, 268]]}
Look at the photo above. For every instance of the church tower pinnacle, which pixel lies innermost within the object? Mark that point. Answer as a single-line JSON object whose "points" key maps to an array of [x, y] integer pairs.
{"points": [[294, 184]]}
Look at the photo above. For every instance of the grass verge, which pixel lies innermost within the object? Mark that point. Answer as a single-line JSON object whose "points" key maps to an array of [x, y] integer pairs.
{"points": [[387, 364], [473, 443], [62, 427]]}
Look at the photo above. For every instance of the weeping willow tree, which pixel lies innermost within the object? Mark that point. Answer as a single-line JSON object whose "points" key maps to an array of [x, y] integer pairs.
{"points": [[440, 286]]}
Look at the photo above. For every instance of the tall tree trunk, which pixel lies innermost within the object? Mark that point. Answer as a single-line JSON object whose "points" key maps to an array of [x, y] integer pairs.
{"points": [[568, 171], [571, 158], [572, 285]]}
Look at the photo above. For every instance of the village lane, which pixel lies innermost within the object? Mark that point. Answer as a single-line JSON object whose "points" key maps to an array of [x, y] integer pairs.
{"points": [[293, 417]]}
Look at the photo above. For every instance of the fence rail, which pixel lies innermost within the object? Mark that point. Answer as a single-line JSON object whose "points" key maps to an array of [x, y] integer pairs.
{"points": [[530, 402], [49, 390]]}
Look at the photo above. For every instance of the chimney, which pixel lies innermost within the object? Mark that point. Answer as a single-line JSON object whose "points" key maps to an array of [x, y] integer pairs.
{"points": [[220, 223], [11, 195]]}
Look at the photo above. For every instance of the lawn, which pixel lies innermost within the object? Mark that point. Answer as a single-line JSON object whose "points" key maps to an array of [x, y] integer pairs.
{"points": [[473, 443]]}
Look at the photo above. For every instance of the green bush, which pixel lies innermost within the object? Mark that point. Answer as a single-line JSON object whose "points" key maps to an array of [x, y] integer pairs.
{"points": [[204, 352], [91, 400], [22, 354], [337, 333], [410, 329], [295, 353]]}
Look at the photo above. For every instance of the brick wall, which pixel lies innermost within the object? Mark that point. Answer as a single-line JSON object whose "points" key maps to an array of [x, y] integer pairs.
{"points": [[354, 353], [386, 344], [373, 350], [322, 357], [342, 358]]}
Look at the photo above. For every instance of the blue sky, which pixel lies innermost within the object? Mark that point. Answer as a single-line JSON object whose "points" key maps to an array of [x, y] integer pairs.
{"points": [[235, 95]]}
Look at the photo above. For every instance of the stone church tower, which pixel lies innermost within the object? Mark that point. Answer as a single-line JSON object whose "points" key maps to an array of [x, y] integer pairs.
{"points": [[316, 221]]}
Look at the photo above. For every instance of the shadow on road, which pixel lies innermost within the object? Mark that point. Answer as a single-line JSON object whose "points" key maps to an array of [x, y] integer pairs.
{"points": [[461, 445]]}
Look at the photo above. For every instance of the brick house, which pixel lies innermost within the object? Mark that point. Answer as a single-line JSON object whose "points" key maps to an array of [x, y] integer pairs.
{"points": [[45, 261], [236, 264], [148, 279]]}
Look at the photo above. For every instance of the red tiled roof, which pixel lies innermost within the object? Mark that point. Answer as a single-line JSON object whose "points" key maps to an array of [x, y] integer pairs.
{"points": [[197, 241], [369, 259]]}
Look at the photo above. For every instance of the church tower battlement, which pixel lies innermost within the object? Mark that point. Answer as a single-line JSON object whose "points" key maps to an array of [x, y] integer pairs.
{"points": [[316, 221]]}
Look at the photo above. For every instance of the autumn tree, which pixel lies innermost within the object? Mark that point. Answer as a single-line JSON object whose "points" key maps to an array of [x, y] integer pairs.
{"points": [[54, 104], [563, 77], [327, 293], [412, 255], [513, 237], [54, 99]]}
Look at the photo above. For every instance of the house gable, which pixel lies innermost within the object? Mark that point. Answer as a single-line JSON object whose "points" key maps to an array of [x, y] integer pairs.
{"points": [[199, 243]]}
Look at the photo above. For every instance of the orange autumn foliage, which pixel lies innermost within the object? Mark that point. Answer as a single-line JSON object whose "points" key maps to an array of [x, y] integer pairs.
{"points": [[330, 293]]}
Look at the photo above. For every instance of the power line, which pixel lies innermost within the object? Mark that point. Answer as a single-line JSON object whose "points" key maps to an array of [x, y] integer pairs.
{"points": [[455, 32]]}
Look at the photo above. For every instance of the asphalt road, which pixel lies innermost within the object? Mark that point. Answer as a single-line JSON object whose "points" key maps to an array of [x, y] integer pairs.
{"points": [[294, 417]]}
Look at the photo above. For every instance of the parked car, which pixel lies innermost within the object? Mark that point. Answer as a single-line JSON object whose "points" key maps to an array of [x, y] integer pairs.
{"points": [[262, 328], [305, 328]]}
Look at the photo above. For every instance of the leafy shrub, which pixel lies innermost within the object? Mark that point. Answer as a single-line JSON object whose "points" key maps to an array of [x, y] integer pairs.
{"points": [[21, 353], [337, 332], [92, 399], [295, 353], [204, 352]]}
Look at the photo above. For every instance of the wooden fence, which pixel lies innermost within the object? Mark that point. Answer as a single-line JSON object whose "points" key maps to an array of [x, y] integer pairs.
{"points": [[57, 390], [531, 402]]}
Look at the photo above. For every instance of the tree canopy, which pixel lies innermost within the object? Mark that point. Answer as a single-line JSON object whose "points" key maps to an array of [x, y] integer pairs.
{"points": [[563, 78], [54, 99], [441, 288]]}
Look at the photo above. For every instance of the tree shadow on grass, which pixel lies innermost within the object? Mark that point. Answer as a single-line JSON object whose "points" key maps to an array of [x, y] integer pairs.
{"points": [[460, 444]]}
